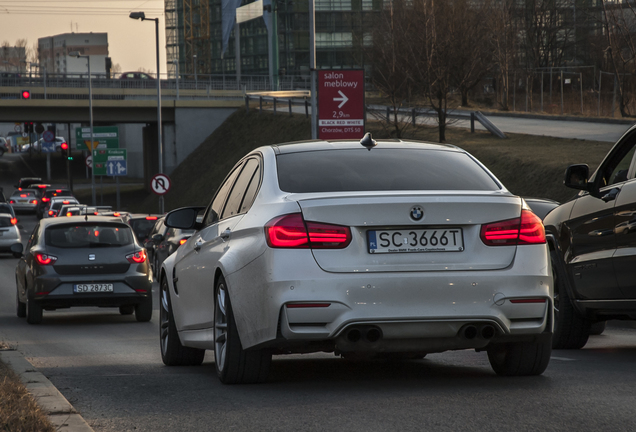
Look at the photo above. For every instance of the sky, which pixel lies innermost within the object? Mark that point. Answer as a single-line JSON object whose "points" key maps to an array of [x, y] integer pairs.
{"points": [[131, 43]]}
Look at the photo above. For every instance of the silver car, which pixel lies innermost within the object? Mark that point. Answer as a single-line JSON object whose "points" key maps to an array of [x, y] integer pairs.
{"points": [[395, 250], [25, 200], [56, 204], [9, 233]]}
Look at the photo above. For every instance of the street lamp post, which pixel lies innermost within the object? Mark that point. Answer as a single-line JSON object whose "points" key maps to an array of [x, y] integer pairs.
{"points": [[194, 66], [90, 109], [176, 63], [142, 16]]}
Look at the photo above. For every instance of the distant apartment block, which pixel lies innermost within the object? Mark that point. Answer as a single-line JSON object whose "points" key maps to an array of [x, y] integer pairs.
{"points": [[53, 53]]}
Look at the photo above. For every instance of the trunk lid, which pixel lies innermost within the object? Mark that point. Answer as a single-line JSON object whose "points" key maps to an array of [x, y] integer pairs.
{"points": [[460, 212]]}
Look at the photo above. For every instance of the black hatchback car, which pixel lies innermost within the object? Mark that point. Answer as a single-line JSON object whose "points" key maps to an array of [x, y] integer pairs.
{"points": [[83, 261], [592, 242]]}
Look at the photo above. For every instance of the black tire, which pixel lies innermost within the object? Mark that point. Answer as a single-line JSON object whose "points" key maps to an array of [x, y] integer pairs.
{"points": [[20, 307], [33, 311], [571, 330], [597, 328], [234, 365], [520, 358], [143, 310], [127, 309], [172, 352]]}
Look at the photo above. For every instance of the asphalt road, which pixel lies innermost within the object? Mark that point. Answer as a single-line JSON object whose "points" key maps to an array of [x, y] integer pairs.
{"points": [[109, 367]]}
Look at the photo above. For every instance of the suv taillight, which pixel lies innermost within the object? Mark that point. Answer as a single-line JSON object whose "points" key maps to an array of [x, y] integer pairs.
{"points": [[292, 231], [45, 259], [526, 229], [137, 257]]}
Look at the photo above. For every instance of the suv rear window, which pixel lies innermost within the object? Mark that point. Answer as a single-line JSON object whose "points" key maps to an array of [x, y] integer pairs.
{"points": [[381, 170], [87, 236], [58, 204], [23, 194]]}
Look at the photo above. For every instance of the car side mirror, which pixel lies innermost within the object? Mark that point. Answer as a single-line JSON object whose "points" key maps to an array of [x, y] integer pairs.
{"points": [[17, 248], [183, 218], [576, 177], [157, 238]]}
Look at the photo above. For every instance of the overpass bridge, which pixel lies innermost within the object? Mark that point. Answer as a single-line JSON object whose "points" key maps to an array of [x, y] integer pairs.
{"points": [[191, 110]]}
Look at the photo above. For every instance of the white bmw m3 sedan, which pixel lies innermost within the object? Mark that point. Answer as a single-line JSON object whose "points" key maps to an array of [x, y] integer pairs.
{"points": [[393, 250]]}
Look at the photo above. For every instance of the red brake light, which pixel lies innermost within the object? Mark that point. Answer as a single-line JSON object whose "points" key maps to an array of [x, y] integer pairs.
{"points": [[45, 259], [182, 241], [45, 199], [137, 257], [11, 202], [34, 202], [14, 221], [41, 186], [528, 229], [151, 217], [58, 190], [291, 231], [23, 196], [66, 202], [116, 214], [69, 214], [19, 189]]}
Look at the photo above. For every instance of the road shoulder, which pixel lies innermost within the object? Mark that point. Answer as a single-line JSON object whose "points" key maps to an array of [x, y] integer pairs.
{"points": [[59, 411]]}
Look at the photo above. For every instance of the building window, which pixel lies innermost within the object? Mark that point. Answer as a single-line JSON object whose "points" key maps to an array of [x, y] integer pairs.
{"points": [[333, 5], [334, 40]]}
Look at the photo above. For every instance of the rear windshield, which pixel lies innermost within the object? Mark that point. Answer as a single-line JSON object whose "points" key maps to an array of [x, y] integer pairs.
{"points": [[142, 227], [23, 194], [58, 204], [5, 222], [381, 170], [88, 236], [6, 208]]}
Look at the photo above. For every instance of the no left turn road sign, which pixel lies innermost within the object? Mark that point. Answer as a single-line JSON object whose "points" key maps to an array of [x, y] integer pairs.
{"points": [[160, 184]]}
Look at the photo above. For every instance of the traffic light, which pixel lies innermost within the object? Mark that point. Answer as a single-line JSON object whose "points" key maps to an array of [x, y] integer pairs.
{"points": [[26, 94], [30, 127], [25, 129], [64, 150]]}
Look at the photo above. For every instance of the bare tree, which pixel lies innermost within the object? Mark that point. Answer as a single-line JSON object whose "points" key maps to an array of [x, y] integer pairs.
{"points": [[620, 30], [503, 42], [388, 54]]}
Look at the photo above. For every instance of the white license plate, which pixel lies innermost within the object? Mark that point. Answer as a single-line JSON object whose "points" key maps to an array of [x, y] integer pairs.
{"points": [[92, 288], [416, 240]]}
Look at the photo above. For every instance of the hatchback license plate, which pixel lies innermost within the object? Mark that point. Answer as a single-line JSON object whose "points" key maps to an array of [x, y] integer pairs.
{"points": [[92, 288], [416, 240]]}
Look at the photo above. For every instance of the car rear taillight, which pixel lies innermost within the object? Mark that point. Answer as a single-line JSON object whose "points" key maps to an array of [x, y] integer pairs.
{"points": [[42, 186], [45, 199], [183, 240], [117, 214], [292, 231], [11, 202], [52, 212], [137, 257], [34, 202], [14, 221], [45, 259], [23, 195], [151, 217], [58, 190], [526, 229], [66, 202], [69, 214]]}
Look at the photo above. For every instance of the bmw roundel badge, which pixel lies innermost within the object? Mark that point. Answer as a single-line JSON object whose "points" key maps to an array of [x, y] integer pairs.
{"points": [[417, 213]]}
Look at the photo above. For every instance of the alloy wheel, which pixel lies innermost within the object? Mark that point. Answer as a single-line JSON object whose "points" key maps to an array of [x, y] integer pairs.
{"points": [[220, 327], [164, 317]]}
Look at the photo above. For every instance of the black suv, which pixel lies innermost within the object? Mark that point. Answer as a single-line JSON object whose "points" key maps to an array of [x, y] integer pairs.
{"points": [[592, 242]]}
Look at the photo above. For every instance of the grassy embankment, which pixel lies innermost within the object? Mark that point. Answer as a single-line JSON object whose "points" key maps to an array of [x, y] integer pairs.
{"points": [[527, 165]]}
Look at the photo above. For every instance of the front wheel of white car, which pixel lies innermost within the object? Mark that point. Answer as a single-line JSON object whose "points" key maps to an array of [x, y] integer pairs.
{"points": [[520, 358], [234, 365], [172, 352]]}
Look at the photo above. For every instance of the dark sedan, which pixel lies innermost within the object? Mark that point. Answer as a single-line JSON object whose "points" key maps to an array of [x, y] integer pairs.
{"points": [[83, 261]]}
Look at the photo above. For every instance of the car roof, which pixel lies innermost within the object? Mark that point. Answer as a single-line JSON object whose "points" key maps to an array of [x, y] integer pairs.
{"points": [[318, 145], [80, 219]]}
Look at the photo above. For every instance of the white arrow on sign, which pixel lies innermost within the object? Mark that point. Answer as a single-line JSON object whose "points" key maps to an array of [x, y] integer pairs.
{"points": [[343, 99]]}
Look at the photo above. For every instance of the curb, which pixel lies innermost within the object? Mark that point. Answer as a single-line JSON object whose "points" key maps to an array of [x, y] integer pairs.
{"points": [[59, 411]]}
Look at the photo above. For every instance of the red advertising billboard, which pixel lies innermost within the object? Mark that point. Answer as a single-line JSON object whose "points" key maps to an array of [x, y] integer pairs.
{"points": [[340, 104]]}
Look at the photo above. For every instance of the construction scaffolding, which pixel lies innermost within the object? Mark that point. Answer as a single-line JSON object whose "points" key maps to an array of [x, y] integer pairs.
{"points": [[196, 27]]}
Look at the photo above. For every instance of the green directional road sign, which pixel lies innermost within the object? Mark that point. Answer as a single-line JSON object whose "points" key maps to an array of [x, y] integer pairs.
{"points": [[110, 162], [107, 136]]}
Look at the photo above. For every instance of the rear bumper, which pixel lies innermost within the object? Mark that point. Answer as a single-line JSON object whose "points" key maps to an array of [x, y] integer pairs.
{"points": [[415, 310], [6, 243]]}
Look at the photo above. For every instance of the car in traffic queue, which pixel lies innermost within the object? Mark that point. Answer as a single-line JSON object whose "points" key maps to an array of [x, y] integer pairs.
{"points": [[24, 200], [9, 233], [592, 241], [49, 194], [53, 209], [365, 249], [164, 245], [141, 224], [25, 182], [7, 208], [82, 261], [159, 229]]}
